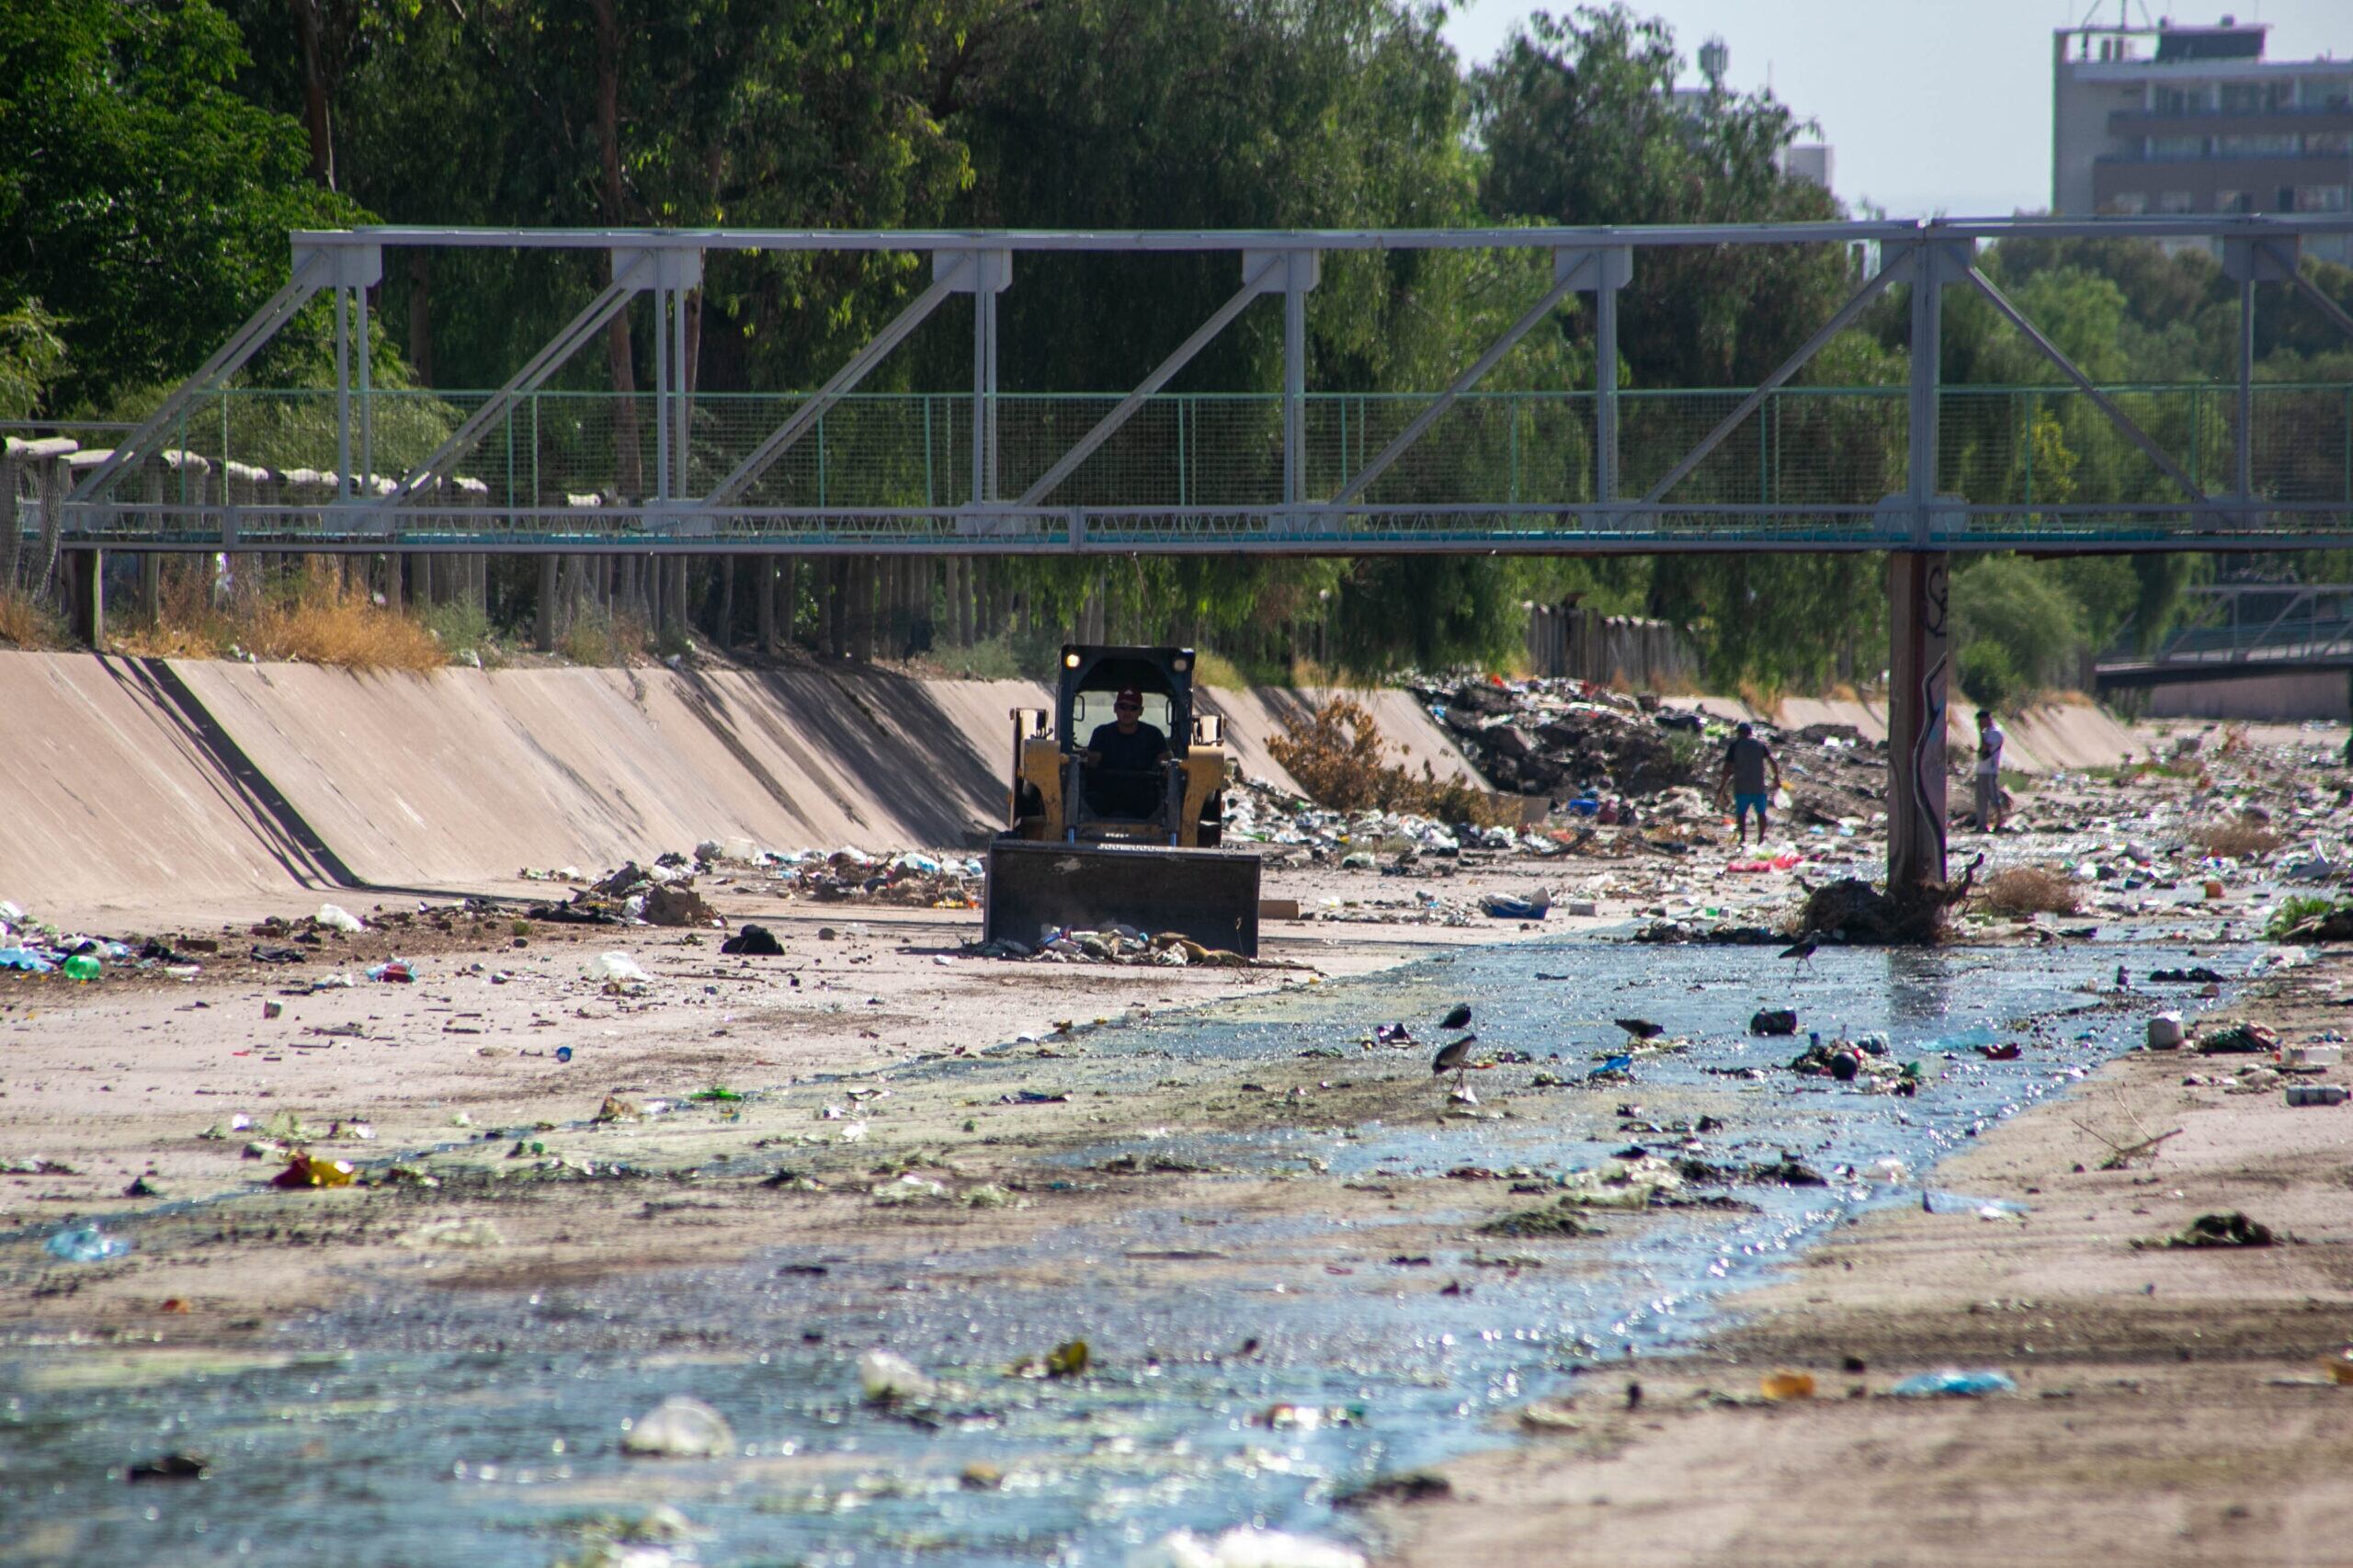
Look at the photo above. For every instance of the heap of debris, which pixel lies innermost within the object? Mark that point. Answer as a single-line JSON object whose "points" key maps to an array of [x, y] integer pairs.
{"points": [[1622, 756]]}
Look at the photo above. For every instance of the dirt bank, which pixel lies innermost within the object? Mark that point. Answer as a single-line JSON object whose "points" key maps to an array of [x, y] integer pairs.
{"points": [[2170, 1408]]}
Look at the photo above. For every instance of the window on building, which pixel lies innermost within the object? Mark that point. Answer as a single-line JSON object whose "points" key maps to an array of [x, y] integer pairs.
{"points": [[2177, 146], [2327, 146], [2234, 201], [2326, 92], [2175, 201], [2320, 198], [2242, 97], [2177, 100], [2255, 146], [2126, 203]]}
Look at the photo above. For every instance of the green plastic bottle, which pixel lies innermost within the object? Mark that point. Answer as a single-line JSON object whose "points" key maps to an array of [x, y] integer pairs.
{"points": [[81, 966]]}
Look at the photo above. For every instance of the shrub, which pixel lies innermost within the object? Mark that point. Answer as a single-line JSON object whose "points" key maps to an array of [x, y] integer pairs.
{"points": [[2029, 890], [26, 622], [2239, 840], [2304, 909], [1987, 678], [1336, 753]]}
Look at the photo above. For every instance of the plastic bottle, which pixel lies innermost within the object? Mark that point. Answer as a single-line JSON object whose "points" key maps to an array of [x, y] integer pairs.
{"points": [[81, 966], [85, 1243]]}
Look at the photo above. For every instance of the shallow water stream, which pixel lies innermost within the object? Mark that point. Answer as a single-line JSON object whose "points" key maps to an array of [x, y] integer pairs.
{"points": [[407, 1427]]}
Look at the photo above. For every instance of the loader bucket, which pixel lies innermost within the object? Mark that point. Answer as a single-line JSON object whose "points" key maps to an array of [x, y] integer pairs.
{"points": [[1210, 895]]}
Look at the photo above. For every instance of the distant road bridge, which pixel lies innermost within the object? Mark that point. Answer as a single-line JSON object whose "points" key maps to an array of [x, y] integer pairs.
{"points": [[1918, 469], [2247, 629]]}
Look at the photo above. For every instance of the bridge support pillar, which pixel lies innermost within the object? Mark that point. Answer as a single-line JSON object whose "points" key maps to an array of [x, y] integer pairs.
{"points": [[1919, 671], [84, 572]]}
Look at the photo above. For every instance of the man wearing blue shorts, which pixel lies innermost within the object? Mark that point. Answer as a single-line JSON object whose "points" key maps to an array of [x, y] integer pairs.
{"points": [[1745, 761]]}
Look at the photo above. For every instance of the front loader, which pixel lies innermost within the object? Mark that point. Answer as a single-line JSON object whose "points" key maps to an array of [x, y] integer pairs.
{"points": [[1087, 847]]}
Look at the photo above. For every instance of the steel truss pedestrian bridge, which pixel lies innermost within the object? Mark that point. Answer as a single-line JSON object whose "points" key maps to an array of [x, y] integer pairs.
{"points": [[1784, 465]]}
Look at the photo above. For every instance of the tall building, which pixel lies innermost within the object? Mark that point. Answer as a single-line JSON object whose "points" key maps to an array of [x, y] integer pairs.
{"points": [[2178, 118]]}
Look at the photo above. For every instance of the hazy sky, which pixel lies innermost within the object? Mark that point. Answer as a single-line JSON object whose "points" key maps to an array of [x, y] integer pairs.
{"points": [[1931, 106]]}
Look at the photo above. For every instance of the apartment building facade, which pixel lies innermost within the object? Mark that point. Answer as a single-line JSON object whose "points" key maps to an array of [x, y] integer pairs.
{"points": [[2179, 119]]}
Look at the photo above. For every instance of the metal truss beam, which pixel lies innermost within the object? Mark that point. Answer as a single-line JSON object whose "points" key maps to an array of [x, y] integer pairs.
{"points": [[957, 274], [632, 272], [1838, 323], [1874, 232], [1568, 276], [1256, 275], [2105, 404], [313, 270]]}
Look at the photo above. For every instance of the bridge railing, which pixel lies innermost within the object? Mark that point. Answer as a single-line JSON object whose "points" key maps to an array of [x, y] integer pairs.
{"points": [[2039, 457]]}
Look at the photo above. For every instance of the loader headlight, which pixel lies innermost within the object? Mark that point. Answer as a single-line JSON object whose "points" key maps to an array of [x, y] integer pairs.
{"points": [[1070, 661]]}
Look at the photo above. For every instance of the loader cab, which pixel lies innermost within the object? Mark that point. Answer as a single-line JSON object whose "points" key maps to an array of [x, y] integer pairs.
{"points": [[1092, 678], [1057, 796]]}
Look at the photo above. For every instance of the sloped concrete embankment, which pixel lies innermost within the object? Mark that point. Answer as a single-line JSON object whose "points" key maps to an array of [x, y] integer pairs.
{"points": [[193, 787]]}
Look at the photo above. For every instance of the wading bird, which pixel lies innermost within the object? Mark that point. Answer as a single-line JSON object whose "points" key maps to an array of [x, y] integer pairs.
{"points": [[1454, 1057], [1802, 951], [1642, 1028]]}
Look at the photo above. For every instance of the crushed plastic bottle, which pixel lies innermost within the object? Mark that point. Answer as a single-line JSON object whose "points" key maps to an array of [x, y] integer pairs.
{"points": [[1952, 1382], [85, 1243]]}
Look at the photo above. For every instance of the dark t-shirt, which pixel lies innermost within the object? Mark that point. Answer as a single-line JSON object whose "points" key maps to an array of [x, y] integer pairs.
{"points": [[1746, 758], [1136, 753]]}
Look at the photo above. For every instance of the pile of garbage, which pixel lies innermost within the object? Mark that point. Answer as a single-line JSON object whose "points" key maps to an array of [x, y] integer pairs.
{"points": [[660, 894], [909, 878], [1115, 944], [1257, 813], [1629, 760], [31, 945]]}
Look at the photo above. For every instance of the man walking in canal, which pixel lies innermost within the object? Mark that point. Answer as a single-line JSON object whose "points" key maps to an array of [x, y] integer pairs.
{"points": [[1745, 761], [1989, 772]]}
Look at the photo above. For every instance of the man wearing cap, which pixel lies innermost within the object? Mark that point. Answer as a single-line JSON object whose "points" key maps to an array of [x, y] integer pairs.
{"points": [[1123, 761]]}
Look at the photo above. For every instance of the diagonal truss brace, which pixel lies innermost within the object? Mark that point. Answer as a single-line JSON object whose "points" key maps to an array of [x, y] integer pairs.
{"points": [[2100, 400], [313, 270], [1895, 268], [1259, 272], [948, 278], [633, 271], [1570, 274]]}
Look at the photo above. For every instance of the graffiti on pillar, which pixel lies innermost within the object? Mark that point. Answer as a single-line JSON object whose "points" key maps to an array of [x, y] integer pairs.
{"points": [[1928, 760]]}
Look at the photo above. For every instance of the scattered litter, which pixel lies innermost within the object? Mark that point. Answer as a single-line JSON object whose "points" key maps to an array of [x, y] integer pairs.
{"points": [[1244, 1548], [680, 1427], [617, 968], [304, 1170], [175, 1466], [1787, 1385], [1952, 1382], [337, 918], [885, 1377], [754, 941], [394, 973], [2231, 1229], [85, 1243]]}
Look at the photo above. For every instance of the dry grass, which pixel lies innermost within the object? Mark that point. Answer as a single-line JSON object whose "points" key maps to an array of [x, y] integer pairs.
{"points": [[26, 622], [2029, 890], [598, 639], [309, 616], [1336, 755], [2239, 840]]}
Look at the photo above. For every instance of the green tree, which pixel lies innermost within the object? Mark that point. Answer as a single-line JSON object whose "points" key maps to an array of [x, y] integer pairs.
{"points": [[142, 201]]}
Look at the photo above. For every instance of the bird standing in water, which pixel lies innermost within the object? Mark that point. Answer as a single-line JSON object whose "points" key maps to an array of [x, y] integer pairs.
{"points": [[1802, 951], [1642, 1028], [1460, 1018], [1454, 1057]]}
